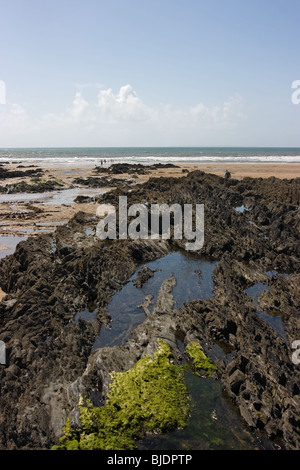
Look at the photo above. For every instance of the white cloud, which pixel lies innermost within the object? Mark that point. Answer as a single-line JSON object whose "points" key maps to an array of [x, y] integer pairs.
{"points": [[13, 121], [123, 106], [233, 109], [17, 111], [120, 118], [79, 106], [227, 114]]}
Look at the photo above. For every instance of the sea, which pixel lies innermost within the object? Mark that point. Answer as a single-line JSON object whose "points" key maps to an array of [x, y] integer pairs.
{"points": [[94, 156]]}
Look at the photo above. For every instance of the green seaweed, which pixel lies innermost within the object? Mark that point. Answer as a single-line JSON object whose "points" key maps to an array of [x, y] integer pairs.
{"points": [[200, 362], [149, 397]]}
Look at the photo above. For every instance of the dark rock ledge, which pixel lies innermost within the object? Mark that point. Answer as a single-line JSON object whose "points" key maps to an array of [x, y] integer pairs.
{"points": [[52, 277]]}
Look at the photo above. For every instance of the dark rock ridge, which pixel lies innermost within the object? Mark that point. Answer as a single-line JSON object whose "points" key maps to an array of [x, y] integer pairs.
{"points": [[143, 276], [6, 173], [36, 186], [132, 168], [50, 358], [102, 182]]}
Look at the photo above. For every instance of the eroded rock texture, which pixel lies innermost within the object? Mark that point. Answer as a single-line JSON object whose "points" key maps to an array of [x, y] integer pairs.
{"points": [[50, 357]]}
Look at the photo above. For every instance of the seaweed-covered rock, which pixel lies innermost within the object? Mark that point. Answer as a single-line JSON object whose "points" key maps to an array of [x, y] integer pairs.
{"points": [[149, 397]]}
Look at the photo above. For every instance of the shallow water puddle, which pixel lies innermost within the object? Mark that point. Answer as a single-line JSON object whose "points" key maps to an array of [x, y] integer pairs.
{"points": [[64, 196], [213, 424], [194, 280], [68, 196], [256, 290], [8, 244], [241, 208], [274, 319], [86, 315]]}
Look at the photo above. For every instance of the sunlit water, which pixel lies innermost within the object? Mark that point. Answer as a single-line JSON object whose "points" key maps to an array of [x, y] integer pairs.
{"points": [[194, 280], [214, 423], [274, 319]]}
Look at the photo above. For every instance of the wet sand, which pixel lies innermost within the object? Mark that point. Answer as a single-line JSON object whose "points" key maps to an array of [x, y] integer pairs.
{"points": [[237, 170], [253, 170], [2, 294]]}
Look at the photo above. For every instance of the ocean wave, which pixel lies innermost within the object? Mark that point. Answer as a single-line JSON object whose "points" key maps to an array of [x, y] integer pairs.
{"points": [[69, 158], [220, 159]]}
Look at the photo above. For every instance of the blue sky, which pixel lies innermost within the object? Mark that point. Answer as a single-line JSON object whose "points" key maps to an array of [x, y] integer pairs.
{"points": [[149, 73]]}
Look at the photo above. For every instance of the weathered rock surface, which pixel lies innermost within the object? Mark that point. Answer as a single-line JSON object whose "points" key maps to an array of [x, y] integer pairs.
{"points": [[50, 359], [7, 173], [132, 168], [144, 274]]}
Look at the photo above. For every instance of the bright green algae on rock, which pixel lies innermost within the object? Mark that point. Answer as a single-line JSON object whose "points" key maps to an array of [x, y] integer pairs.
{"points": [[201, 363], [149, 397]]}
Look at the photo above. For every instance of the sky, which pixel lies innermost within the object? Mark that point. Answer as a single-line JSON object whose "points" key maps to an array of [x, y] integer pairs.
{"points": [[97, 73]]}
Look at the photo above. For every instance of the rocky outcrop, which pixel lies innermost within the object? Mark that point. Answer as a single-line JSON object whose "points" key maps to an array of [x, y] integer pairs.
{"points": [[144, 274], [132, 168], [6, 173], [50, 358], [257, 370], [37, 186]]}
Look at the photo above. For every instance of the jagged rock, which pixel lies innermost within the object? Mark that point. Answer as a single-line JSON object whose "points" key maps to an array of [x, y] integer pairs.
{"points": [[51, 358], [143, 275]]}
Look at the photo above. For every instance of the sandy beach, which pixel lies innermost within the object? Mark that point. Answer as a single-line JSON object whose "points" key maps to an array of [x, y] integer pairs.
{"points": [[253, 170], [2, 294]]}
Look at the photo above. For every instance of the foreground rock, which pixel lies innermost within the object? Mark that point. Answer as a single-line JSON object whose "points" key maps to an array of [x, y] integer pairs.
{"points": [[50, 358]]}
